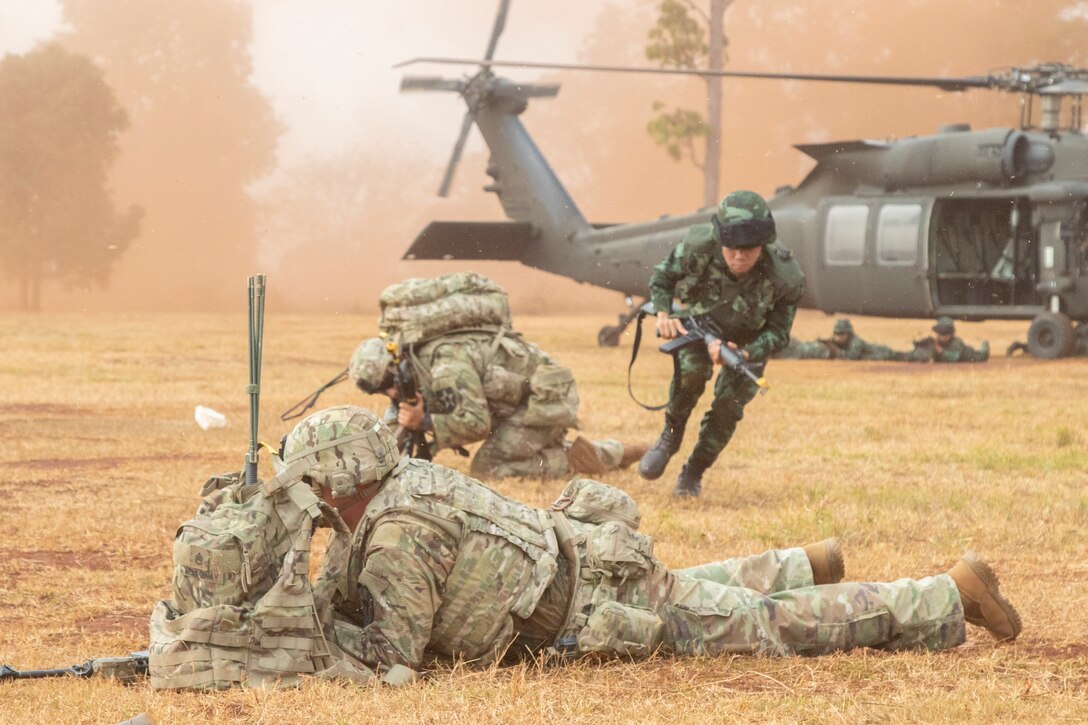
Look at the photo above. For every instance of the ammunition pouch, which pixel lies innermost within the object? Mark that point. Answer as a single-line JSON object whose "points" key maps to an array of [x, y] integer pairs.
{"points": [[553, 398]]}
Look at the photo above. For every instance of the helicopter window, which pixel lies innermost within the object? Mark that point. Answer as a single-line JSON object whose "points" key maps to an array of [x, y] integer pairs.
{"points": [[845, 237], [897, 233]]}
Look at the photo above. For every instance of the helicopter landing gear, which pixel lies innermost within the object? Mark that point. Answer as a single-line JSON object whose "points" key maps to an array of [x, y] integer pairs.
{"points": [[1051, 336], [609, 335]]}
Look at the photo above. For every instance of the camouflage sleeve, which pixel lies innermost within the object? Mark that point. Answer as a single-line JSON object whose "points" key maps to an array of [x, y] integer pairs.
{"points": [[407, 563], [457, 404], [775, 334], [663, 281]]}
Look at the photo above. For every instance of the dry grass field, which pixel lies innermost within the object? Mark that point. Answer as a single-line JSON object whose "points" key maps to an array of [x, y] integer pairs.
{"points": [[909, 465]]}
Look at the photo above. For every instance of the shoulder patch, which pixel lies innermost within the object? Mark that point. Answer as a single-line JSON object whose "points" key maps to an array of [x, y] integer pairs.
{"points": [[446, 401], [783, 253]]}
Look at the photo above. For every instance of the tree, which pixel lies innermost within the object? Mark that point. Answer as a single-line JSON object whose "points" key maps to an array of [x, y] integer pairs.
{"points": [[58, 137], [201, 134], [678, 40]]}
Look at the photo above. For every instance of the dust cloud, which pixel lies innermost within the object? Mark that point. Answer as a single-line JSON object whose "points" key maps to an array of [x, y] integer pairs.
{"points": [[200, 155]]}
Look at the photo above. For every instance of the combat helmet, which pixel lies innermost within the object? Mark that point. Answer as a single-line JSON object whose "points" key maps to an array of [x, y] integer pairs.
{"points": [[843, 327], [944, 326], [744, 220], [342, 448], [371, 366]]}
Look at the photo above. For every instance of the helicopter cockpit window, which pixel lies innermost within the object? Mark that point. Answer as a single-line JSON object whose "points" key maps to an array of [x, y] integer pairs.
{"points": [[845, 235], [897, 233]]}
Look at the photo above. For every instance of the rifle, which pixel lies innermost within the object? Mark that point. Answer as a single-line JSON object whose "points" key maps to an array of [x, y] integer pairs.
{"points": [[700, 329], [122, 669], [703, 329], [411, 442]]}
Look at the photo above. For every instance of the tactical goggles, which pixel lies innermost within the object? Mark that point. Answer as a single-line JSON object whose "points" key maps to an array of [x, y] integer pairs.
{"points": [[744, 234], [385, 384]]}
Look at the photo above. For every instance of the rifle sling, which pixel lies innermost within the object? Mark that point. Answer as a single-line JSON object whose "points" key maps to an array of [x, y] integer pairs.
{"points": [[634, 355]]}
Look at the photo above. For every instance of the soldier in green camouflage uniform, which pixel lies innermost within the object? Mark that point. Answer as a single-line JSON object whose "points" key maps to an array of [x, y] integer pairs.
{"points": [[732, 271], [945, 347], [497, 388], [843, 344], [442, 566]]}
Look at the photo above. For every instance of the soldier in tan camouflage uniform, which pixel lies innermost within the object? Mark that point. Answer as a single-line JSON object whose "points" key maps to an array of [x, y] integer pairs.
{"points": [[442, 566], [497, 388]]}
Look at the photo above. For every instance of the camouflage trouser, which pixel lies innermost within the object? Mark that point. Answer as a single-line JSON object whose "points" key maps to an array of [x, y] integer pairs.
{"points": [[766, 605], [518, 450], [798, 350], [732, 391]]}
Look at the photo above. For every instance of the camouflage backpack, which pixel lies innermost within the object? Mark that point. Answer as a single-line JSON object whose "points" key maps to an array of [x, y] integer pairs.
{"points": [[417, 310], [244, 613]]}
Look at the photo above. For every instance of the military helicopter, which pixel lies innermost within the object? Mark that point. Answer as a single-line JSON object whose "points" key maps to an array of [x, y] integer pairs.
{"points": [[988, 224]]}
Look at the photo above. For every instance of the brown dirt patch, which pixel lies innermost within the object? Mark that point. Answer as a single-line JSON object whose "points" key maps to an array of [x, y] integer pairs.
{"points": [[41, 409], [1056, 652], [73, 463], [88, 560], [129, 622]]}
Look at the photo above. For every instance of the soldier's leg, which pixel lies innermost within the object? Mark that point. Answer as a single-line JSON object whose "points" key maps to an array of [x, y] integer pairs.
{"points": [[705, 618], [517, 450], [772, 571], [610, 452], [732, 391], [695, 368]]}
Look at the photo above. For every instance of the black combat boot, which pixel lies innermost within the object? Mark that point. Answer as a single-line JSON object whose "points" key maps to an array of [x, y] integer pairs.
{"points": [[689, 484], [654, 460]]}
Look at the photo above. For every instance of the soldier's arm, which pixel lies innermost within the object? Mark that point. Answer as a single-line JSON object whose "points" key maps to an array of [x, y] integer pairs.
{"points": [[775, 334], [663, 281], [407, 563], [456, 401]]}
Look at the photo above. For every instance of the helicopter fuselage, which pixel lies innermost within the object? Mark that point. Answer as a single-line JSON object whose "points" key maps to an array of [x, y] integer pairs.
{"points": [[972, 224]]}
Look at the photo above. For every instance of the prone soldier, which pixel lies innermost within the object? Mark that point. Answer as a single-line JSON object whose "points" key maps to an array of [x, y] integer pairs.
{"points": [[945, 347], [844, 344], [442, 566]]}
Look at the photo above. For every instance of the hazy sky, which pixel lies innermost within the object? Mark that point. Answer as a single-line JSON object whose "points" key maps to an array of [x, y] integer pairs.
{"points": [[326, 65]]}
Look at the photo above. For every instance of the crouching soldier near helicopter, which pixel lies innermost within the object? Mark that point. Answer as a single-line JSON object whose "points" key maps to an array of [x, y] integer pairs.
{"points": [[732, 271], [440, 566], [843, 344], [479, 382], [945, 347]]}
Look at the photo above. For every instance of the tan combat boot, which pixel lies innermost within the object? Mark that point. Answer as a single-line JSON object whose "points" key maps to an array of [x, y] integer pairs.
{"points": [[826, 560], [983, 603], [582, 457], [632, 453]]}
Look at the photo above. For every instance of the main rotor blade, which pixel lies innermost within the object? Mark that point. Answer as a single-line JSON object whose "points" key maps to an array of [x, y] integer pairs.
{"points": [[455, 157], [430, 83], [949, 83], [496, 31]]}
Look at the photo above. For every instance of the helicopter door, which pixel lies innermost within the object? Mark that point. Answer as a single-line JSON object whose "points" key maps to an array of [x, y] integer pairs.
{"points": [[897, 282], [843, 226], [983, 253]]}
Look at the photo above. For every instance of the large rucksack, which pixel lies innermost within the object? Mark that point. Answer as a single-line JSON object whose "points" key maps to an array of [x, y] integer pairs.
{"points": [[244, 613], [417, 310]]}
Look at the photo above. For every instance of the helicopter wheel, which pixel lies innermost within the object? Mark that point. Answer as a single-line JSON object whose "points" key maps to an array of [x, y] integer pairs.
{"points": [[609, 336], [1051, 336]]}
